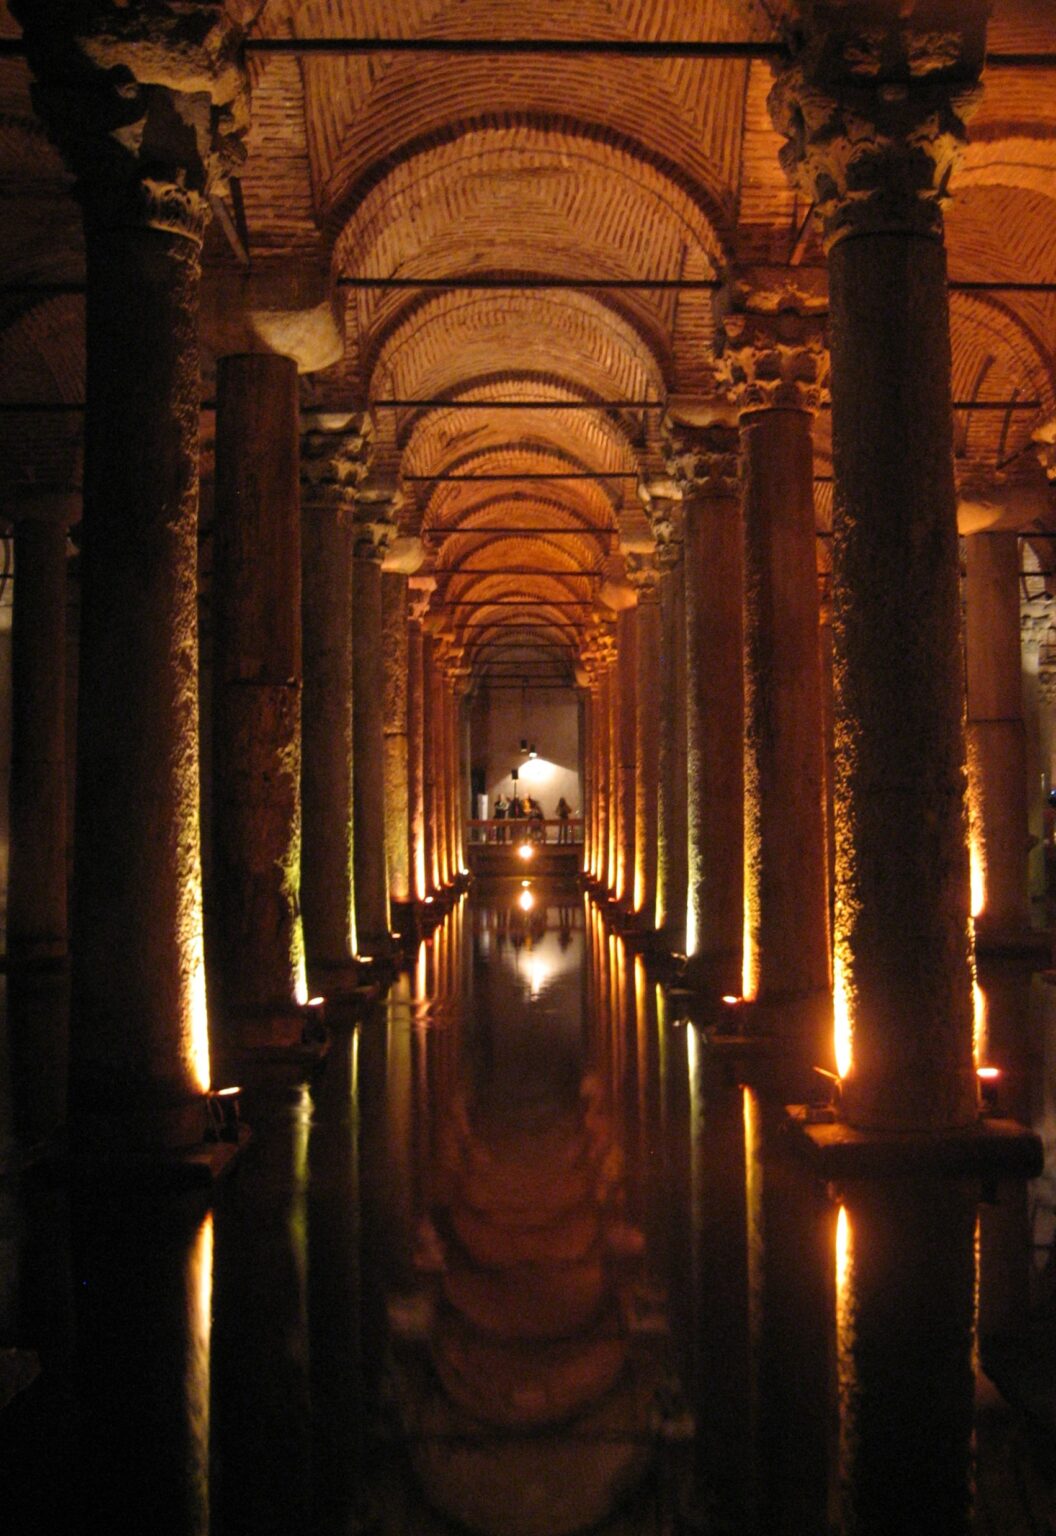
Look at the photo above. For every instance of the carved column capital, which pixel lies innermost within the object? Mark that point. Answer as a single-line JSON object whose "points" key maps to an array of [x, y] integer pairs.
{"points": [[335, 458], [873, 106], [643, 576], [147, 101], [772, 351], [703, 461]]}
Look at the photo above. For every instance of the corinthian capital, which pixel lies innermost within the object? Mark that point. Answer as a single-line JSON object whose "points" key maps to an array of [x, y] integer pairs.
{"points": [[147, 101], [873, 106], [335, 457], [772, 350], [703, 461]]}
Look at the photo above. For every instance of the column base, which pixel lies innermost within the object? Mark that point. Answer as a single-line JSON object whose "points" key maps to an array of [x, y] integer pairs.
{"points": [[714, 975], [996, 938], [990, 1148], [166, 1150], [288, 1033]]}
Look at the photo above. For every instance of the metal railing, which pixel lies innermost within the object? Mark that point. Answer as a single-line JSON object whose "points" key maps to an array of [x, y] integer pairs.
{"points": [[553, 831]]}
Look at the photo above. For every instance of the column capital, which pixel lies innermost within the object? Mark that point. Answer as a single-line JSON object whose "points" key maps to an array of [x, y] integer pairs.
{"points": [[702, 460], [283, 307], [873, 107], [644, 576], [770, 335], [1044, 439], [335, 457], [147, 102]]}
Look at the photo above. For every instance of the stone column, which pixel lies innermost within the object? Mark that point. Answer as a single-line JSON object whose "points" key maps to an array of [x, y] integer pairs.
{"points": [[144, 109], [774, 364], [997, 768], [368, 738], [672, 827], [626, 753], [431, 820], [416, 684], [875, 155], [334, 456], [256, 923], [703, 462], [613, 772], [37, 875], [645, 578], [36, 888], [397, 826]]}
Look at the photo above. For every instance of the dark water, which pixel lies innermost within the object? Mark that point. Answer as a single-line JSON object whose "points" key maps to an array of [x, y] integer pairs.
{"points": [[528, 1255]]}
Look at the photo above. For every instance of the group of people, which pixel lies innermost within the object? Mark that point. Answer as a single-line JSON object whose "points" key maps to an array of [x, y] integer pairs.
{"points": [[531, 811]]}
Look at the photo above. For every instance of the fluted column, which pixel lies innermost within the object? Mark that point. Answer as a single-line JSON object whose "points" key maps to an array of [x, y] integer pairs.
{"points": [[997, 766], [36, 887], [258, 936], [334, 456], [875, 159], [397, 826], [645, 577], [703, 462], [368, 733], [144, 109], [774, 364]]}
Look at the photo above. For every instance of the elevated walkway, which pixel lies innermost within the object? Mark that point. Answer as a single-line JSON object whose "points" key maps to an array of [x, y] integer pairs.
{"points": [[526, 848]]}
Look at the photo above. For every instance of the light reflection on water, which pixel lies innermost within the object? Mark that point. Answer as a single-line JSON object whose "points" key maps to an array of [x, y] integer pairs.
{"points": [[528, 1254]]}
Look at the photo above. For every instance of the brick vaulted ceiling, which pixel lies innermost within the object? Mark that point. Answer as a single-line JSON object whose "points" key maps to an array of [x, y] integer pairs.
{"points": [[538, 167]]}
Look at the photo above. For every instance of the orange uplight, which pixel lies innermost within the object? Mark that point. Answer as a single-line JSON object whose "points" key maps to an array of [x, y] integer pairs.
{"points": [[526, 851], [526, 901], [841, 1015], [731, 1001], [977, 874]]}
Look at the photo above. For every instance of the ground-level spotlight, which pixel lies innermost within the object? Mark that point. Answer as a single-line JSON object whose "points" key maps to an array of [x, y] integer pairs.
{"points": [[526, 901], [223, 1114], [989, 1079], [526, 851], [826, 1111], [731, 1001]]}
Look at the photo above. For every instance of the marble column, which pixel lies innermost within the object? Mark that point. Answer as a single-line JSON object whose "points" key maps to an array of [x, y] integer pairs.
{"points": [[257, 937], [415, 748], [429, 798], [774, 363], [997, 768], [397, 826], [703, 461], [334, 458], [368, 740], [147, 132], [645, 578], [37, 954], [672, 826], [613, 772], [875, 160], [626, 753]]}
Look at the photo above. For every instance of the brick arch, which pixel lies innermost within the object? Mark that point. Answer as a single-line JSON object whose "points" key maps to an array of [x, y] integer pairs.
{"points": [[999, 353], [453, 338], [42, 359]]}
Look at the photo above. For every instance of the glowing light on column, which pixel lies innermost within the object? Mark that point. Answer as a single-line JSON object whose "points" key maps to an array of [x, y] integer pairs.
{"points": [[198, 1010], [197, 1380], [691, 927], [977, 874], [846, 1371], [749, 958], [980, 1022], [843, 1030]]}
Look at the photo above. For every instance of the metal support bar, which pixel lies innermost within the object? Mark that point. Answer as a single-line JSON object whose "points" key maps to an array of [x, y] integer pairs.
{"points": [[499, 47], [530, 284], [456, 479]]}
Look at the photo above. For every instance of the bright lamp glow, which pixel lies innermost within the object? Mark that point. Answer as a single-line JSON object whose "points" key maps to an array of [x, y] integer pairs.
{"points": [[526, 851]]}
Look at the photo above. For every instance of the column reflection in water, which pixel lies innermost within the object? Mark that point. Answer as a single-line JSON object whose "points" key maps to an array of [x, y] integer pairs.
{"points": [[905, 1276], [526, 1404], [335, 1293]]}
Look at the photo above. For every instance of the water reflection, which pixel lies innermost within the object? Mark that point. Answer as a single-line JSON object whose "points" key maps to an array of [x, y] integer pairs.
{"points": [[530, 1255]]}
